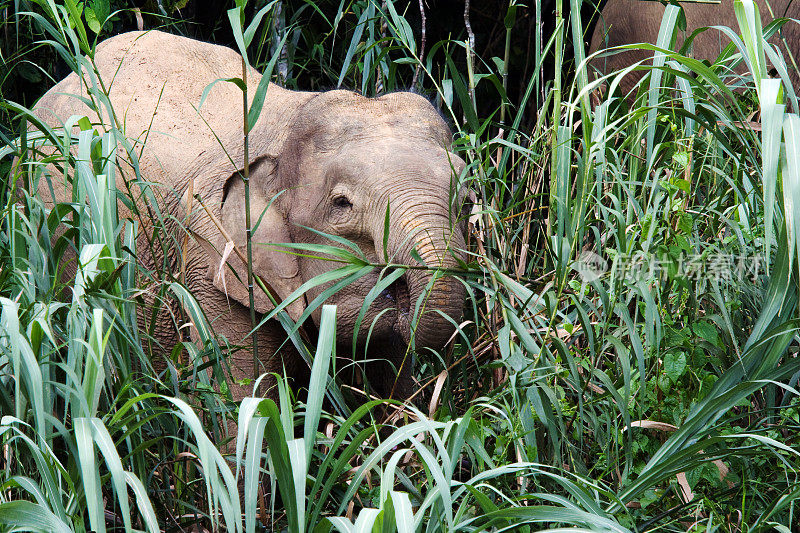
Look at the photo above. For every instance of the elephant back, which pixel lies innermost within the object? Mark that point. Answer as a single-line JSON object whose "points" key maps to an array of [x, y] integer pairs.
{"points": [[155, 82]]}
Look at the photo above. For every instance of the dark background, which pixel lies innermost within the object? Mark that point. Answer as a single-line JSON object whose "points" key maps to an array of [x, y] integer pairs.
{"points": [[29, 69]]}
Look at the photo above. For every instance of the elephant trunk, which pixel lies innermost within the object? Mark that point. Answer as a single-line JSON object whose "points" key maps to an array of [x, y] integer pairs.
{"points": [[433, 295]]}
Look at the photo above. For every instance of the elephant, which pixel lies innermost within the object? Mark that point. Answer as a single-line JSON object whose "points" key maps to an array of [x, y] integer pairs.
{"points": [[319, 162], [638, 21]]}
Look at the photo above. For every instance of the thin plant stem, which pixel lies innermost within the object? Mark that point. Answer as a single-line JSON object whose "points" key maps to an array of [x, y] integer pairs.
{"points": [[559, 47], [248, 229], [421, 46], [506, 57], [538, 52], [279, 29], [379, 83], [470, 55]]}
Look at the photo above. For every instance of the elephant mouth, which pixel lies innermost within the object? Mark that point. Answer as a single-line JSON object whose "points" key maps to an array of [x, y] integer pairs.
{"points": [[397, 293]]}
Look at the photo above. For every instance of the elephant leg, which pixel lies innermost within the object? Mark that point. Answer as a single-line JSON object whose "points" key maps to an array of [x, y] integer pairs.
{"points": [[159, 314], [276, 355], [276, 358]]}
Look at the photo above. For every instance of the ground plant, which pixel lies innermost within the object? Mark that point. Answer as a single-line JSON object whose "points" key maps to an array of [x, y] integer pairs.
{"points": [[628, 356]]}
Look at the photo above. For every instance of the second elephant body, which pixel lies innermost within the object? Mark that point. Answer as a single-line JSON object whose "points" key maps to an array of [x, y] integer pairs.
{"points": [[638, 21]]}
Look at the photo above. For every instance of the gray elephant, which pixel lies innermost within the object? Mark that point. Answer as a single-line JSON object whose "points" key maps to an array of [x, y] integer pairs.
{"points": [[332, 161], [638, 21]]}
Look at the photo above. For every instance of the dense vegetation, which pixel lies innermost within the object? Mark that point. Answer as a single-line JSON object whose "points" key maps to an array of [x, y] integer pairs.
{"points": [[628, 357]]}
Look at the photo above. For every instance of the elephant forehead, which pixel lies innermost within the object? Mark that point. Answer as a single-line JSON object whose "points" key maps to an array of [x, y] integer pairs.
{"points": [[341, 130], [403, 103], [400, 158], [337, 118]]}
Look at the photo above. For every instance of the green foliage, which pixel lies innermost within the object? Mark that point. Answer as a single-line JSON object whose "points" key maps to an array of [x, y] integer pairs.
{"points": [[629, 356]]}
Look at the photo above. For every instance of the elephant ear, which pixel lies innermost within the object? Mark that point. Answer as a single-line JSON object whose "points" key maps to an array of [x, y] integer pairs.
{"points": [[217, 174], [279, 269]]}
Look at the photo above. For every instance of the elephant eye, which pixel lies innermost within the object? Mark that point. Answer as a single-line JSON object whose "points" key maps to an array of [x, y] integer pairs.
{"points": [[341, 202]]}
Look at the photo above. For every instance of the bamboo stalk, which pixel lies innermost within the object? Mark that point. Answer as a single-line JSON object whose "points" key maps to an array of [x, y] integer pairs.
{"points": [[421, 47], [470, 55], [248, 228], [279, 30], [559, 45]]}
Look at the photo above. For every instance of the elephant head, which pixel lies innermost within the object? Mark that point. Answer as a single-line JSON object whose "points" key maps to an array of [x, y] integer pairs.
{"points": [[345, 160]]}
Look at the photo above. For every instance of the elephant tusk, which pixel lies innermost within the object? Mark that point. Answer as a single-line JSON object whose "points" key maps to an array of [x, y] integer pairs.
{"points": [[223, 261]]}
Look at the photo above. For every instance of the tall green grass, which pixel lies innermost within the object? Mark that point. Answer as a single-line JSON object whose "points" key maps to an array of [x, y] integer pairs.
{"points": [[575, 396]]}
